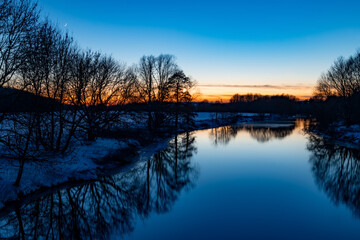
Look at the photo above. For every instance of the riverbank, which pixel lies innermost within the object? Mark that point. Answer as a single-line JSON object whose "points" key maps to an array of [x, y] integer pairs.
{"points": [[92, 160], [340, 134]]}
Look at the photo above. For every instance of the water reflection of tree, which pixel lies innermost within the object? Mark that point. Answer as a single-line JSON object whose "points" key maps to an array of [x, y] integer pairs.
{"points": [[167, 173], [223, 135], [337, 171], [113, 203], [265, 134]]}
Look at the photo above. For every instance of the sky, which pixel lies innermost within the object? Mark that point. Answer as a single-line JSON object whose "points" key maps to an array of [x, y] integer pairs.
{"points": [[228, 47]]}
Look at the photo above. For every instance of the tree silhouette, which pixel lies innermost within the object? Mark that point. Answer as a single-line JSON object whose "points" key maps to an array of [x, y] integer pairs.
{"points": [[339, 88]]}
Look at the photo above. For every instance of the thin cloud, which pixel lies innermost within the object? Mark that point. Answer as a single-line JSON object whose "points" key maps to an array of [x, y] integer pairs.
{"points": [[218, 95], [257, 86]]}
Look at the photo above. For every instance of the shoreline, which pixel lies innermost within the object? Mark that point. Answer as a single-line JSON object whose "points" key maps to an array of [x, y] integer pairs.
{"points": [[115, 161], [341, 135]]}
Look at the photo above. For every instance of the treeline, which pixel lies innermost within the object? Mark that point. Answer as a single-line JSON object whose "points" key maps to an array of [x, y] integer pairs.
{"points": [[257, 103], [76, 94]]}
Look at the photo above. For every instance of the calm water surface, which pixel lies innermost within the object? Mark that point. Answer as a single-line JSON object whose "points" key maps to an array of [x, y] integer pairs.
{"points": [[256, 181]]}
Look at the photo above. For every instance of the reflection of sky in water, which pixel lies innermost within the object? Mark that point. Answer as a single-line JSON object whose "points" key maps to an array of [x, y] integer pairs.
{"points": [[248, 189]]}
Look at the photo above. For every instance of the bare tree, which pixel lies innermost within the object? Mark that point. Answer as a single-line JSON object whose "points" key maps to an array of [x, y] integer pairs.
{"points": [[336, 82], [165, 67], [181, 85], [161, 81], [45, 73], [342, 79], [18, 18], [62, 119], [341, 84], [112, 85], [146, 84], [98, 83]]}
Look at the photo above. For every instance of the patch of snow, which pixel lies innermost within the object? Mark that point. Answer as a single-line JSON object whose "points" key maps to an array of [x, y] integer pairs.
{"points": [[202, 116], [77, 165], [345, 136]]}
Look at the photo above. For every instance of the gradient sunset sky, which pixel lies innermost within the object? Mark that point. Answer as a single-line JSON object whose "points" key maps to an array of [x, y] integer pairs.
{"points": [[228, 47]]}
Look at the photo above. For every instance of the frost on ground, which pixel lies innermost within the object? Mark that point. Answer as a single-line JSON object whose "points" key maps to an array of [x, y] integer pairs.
{"points": [[349, 134], [79, 164], [339, 133]]}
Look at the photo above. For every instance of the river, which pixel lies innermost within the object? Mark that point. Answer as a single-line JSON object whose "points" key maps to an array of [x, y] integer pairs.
{"points": [[250, 181]]}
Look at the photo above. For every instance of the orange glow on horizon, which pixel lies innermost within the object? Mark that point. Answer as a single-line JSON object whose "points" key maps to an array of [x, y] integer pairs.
{"points": [[224, 92]]}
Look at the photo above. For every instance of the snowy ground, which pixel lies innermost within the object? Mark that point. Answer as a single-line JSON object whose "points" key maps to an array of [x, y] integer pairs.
{"points": [[347, 136], [340, 134], [80, 164]]}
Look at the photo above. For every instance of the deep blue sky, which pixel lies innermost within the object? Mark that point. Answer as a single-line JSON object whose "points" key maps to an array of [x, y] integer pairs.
{"points": [[245, 44]]}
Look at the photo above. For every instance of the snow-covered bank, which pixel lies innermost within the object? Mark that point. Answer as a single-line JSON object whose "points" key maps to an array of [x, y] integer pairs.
{"points": [[80, 164], [347, 136], [350, 134]]}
